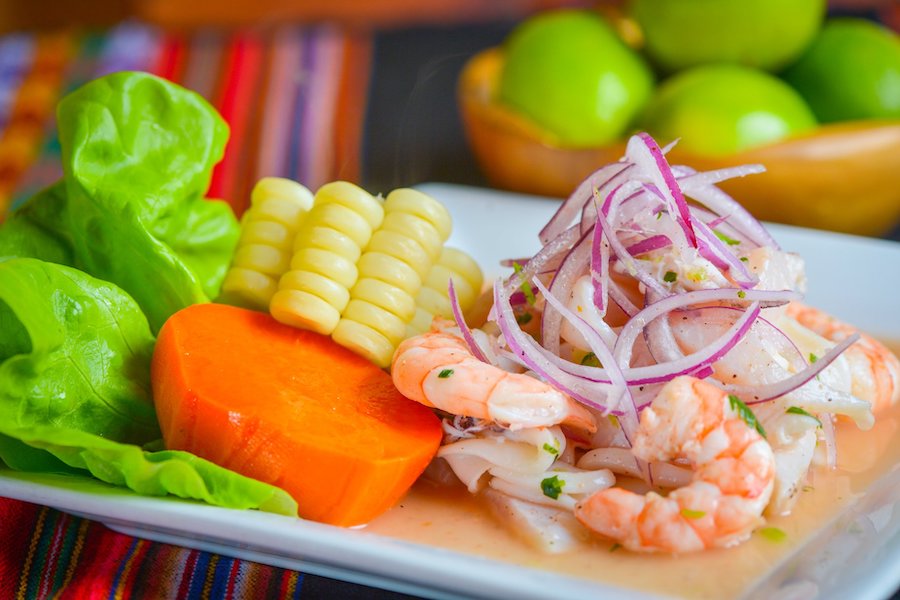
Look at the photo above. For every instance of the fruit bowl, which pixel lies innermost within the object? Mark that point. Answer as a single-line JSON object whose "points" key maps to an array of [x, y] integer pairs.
{"points": [[841, 177]]}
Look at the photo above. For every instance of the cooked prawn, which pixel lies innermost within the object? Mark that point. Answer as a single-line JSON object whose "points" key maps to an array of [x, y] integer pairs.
{"points": [[437, 369], [875, 370], [734, 472]]}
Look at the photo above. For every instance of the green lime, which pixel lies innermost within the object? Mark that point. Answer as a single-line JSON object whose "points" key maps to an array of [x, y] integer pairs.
{"points": [[766, 34], [851, 71], [571, 74], [722, 109]]}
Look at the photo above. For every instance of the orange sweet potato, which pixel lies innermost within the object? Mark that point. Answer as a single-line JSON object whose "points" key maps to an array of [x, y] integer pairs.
{"points": [[291, 408]]}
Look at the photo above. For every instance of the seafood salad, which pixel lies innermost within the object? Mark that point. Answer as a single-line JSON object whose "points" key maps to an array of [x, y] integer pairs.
{"points": [[651, 374]]}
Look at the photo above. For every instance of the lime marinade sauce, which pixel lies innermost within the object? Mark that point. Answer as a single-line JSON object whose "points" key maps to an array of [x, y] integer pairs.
{"points": [[456, 520]]}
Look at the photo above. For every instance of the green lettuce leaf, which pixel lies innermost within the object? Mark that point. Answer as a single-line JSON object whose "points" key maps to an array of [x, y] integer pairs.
{"points": [[138, 154], [75, 393], [77, 354], [154, 473]]}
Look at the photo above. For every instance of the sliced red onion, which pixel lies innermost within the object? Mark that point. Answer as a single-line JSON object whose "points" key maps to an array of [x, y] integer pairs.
{"points": [[573, 266], [770, 391], [654, 242], [583, 194], [643, 151], [596, 344], [722, 204], [467, 336], [718, 252], [536, 358], [636, 324]]}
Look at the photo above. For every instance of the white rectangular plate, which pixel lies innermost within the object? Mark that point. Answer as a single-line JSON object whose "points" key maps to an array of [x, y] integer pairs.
{"points": [[853, 278]]}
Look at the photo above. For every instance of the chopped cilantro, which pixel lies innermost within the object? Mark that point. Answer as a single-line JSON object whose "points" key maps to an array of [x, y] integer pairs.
{"points": [[726, 239], [773, 534], [525, 287], [590, 360], [745, 259], [692, 514], [524, 318], [613, 419], [746, 414], [670, 276], [552, 486], [551, 449], [615, 547], [812, 358], [445, 373], [796, 410], [742, 294]]}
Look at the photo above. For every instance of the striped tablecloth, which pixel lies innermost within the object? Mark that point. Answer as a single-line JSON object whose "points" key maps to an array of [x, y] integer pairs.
{"points": [[293, 96]]}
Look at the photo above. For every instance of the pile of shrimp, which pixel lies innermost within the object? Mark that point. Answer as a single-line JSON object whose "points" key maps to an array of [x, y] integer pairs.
{"points": [[641, 380]]}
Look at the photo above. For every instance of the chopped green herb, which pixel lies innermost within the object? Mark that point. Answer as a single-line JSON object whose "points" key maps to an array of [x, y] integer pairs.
{"points": [[746, 414], [773, 534], [445, 373], [590, 360], [742, 294], [524, 318], [796, 410], [812, 358], [692, 514], [726, 239], [807, 488], [525, 287], [551, 449], [613, 419], [552, 486], [745, 259], [615, 547], [670, 276]]}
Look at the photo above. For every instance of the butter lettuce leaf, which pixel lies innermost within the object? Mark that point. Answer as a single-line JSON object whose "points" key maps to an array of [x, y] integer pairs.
{"points": [[75, 393], [166, 472], [138, 154]]}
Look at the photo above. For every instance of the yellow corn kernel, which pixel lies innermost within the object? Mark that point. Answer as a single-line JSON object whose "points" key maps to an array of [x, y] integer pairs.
{"points": [[386, 296], [434, 302], [414, 202], [342, 219], [278, 207], [400, 246], [365, 341], [304, 310], [331, 265], [326, 238], [418, 229], [384, 322], [420, 323], [248, 288], [271, 233], [260, 257], [463, 265], [390, 270], [323, 287], [353, 197]]}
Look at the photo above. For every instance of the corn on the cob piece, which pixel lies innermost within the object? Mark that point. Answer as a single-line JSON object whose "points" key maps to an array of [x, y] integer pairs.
{"points": [[433, 297]]}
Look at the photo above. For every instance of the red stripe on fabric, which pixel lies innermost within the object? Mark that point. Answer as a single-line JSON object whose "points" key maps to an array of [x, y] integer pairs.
{"points": [[17, 524], [102, 554], [130, 580], [232, 579], [170, 62], [242, 70], [187, 574]]}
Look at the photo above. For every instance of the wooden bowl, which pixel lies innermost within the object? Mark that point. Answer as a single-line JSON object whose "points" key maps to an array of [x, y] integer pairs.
{"points": [[842, 177]]}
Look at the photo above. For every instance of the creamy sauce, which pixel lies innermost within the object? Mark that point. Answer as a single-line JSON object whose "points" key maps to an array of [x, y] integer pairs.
{"points": [[456, 520]]}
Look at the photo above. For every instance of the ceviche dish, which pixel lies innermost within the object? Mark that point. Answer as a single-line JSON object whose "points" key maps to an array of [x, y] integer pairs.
{"points": [[647, 390]]}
